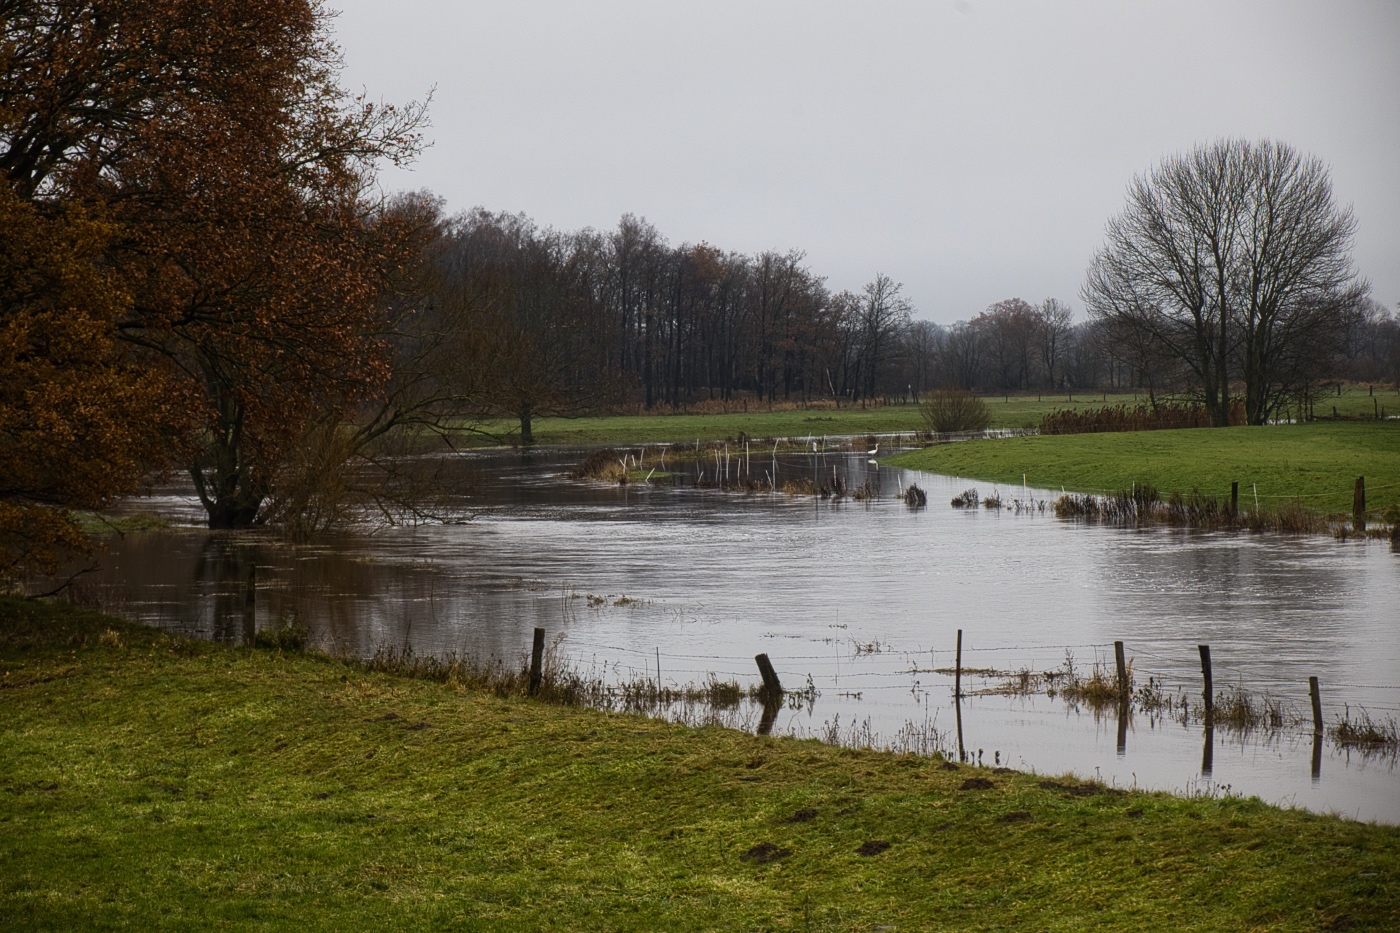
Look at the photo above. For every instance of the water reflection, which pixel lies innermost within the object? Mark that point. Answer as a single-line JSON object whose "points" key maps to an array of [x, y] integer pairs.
{"points": [[865, 597]]}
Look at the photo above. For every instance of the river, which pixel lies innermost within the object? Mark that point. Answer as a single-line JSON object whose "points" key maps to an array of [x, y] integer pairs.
{"points": [[863, 599]]}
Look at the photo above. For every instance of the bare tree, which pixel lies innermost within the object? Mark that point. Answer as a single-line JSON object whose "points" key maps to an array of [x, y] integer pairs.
{"points": [[923, 344], [884, 315], [962, 355], [1235, 260], [1009, 328], [1056, 326]]}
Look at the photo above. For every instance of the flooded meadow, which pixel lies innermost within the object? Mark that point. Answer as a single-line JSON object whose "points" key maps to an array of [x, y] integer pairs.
{"points": [[857, 597]]}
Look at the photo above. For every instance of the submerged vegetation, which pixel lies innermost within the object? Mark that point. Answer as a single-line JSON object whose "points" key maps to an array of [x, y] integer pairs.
{"points": [[1142, 506], [1234, 708]]}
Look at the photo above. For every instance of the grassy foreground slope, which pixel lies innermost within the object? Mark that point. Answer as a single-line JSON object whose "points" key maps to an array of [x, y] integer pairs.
{"points": [[149, 782], [1316, 463]]}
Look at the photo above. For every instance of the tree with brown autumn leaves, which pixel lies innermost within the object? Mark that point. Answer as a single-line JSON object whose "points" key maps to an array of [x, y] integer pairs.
{"points": [[242, 259]]}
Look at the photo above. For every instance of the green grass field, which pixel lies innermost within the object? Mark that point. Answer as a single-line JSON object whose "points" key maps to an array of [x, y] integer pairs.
{"points": [[1008, 411], [1315, 463], [153, 783]]}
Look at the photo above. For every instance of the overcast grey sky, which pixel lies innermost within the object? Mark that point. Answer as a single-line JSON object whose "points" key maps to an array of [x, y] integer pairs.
{"points": [[971, 150]]}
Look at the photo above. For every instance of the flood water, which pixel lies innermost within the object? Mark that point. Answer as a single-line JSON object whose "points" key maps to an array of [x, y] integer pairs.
{"points": [[864, 598]]}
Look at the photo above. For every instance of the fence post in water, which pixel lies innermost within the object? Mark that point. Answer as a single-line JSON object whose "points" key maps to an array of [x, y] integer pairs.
{"points": [[1315, 695], [957, 670], [771, 685], [537, 662], [1122, 670], [1234, 499], [1205, 673], [1358, 504], [1122, 728]]}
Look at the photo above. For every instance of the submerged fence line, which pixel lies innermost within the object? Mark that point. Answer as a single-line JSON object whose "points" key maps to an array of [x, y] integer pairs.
{"points": [[851, 657], [1104, 688]]}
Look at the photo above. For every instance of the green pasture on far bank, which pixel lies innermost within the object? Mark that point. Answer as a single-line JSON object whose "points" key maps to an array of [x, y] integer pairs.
{"points": [[155, 783], [1316, 463], [822, 418]]}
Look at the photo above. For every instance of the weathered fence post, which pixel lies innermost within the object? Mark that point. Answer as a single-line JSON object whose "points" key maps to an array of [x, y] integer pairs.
{"points": [[1205, 673], [957, 708], [1234, 498], [537, 662], [957, 670], [1358, 504], [1122, 670], [1208, 750], [771, 685], [1315, 694], [1122, 748]]}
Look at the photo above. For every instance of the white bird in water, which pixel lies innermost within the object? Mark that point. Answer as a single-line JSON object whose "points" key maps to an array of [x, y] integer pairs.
{"points": [[874, 450]]}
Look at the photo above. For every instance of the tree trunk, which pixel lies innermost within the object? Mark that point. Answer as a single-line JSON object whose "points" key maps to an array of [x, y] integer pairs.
{"points": [[527, 435]]}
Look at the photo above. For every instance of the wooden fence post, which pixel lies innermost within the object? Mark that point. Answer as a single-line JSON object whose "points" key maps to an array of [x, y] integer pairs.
{"points": [[1358, 504], [1122, 670], [537, 662], [957, 670], [1235, 498], [1122, 748], [771, 685], [1315, 694], [1205, 673]]}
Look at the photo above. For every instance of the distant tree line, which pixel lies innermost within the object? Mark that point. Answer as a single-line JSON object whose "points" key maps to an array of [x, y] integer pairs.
{"points": [[591, 319], [566, 322]]}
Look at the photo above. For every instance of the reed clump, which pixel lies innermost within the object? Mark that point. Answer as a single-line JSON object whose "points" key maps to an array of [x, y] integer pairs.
{"points": [[1360, 731], [1240, 710], [1158, 416], [864, 491], [800, 487], [967, 499], [1101, 688], [605, 465], [1143, 505], [915, 497]]}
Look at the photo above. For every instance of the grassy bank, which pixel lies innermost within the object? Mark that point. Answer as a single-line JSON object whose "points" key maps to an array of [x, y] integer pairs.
{"points": [[156, 783], [1316, 464]]}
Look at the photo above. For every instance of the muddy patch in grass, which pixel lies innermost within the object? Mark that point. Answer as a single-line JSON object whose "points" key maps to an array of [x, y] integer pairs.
{"points": [[872, 847], [976, 784], [805, 815], [763, 853]]}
